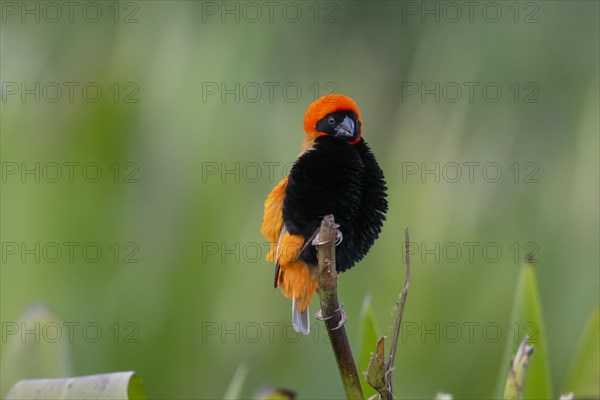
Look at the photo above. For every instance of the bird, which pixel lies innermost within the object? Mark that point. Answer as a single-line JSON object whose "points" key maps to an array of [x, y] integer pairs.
{"points": [[335, 173]]}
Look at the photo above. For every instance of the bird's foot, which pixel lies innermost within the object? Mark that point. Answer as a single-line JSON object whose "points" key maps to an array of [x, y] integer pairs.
{"points": [[338, 237], [317, 241], [343, 317], [319, 316]]}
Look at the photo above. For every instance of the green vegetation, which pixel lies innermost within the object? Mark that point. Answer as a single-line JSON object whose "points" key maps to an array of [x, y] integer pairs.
{"points": [[181, 292]]}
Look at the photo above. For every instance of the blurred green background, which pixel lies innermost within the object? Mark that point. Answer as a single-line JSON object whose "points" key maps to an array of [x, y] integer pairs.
{"points": [[192, 228]]}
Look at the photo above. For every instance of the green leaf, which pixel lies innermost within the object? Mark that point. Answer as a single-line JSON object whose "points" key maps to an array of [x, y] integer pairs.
{"points": [[526, 319], [584, 376], [36, 347], [117, 385], [237, 382], [368, 336]]}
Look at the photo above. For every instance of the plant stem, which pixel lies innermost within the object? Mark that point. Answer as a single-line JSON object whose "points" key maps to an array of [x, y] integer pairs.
{"points": [[331, 311], [400, 304], [518, 371]]}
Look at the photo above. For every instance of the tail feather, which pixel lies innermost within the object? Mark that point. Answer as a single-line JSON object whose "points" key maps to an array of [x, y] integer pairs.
{"points": [[300, 319]]}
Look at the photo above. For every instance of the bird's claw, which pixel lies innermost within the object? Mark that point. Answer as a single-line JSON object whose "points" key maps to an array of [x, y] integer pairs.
{"points": [[317, 241], [319, 316], [339, 237], [343, 317]]}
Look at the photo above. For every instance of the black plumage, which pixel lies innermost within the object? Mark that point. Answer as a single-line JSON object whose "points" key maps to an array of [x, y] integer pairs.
{"points": [[343, 179]]}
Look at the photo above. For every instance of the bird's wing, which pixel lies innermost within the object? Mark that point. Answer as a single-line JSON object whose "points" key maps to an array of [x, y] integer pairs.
{"points": [[273, 218], [272, 227]]}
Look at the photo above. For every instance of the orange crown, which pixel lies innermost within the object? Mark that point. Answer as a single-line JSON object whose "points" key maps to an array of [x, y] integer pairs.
{"points": [[326, 105]]}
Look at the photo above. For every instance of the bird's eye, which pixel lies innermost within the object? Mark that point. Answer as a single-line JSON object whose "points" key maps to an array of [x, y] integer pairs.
{"points": [[331, 120]]}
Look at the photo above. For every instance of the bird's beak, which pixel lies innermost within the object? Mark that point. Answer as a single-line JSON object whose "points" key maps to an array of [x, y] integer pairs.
{"points": [[345, 129]]}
